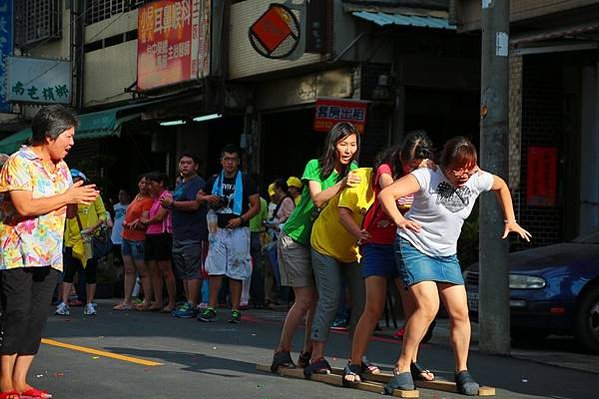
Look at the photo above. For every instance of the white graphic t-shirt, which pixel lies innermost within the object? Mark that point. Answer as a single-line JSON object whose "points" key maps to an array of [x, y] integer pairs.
{"points": [[440, 208]]}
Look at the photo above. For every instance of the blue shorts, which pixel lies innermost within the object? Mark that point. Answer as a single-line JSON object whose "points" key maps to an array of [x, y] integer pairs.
{"points": [[415, 267], [378, 260], [134, 249]]}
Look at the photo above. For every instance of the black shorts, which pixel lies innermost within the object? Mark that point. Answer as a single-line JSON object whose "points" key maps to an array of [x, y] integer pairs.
{"points": [[158, 247]]}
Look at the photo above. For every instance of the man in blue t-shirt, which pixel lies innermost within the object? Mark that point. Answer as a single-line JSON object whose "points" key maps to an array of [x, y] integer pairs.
{"points": [[190, 232]]}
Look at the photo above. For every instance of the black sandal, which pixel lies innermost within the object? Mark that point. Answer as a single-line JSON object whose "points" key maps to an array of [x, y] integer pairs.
{"points": [[417, 371], [465, 384], [303, 359], [321, 366], [281, 359], [353, 370], [402, 381]]}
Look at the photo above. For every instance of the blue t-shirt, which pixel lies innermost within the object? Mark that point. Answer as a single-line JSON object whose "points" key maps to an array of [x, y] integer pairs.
{"points": [[189, 225]]}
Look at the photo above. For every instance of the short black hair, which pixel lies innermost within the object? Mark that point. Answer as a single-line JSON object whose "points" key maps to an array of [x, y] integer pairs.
{"points": [[231, 149], [51, 121], [194, 157], [158, 177]]}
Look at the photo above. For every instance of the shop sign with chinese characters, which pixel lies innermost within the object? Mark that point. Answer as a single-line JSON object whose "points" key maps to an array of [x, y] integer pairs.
{"points": [[5, 48], [541, 177], [36, 80], [173, 42], [330, 111]]}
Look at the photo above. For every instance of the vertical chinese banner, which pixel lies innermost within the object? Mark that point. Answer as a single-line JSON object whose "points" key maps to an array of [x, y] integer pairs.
{"points": [[5, 49], [200, 31], [541, 177], [168, 42]]}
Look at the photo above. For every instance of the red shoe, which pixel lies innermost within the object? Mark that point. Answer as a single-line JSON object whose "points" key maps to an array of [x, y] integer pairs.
{"points": [[399, 334], [35, 393], [10, 395], [75, 302]]}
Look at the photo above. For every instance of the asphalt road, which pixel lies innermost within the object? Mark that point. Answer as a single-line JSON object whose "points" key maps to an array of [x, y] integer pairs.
{"points": [[217, 360]]}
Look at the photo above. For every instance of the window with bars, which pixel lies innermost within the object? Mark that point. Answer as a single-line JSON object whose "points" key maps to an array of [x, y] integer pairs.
{"points": [[99, 10], [37, 20]]}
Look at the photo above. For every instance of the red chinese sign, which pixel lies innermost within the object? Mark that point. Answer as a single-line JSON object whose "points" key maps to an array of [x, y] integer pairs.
{"points": [[330, 111], [173, 42], [541, 179]]}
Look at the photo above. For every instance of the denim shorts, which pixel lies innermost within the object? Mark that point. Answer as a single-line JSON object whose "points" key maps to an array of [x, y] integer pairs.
{"points": [[134, 249], [378, 260], [415, 267]]}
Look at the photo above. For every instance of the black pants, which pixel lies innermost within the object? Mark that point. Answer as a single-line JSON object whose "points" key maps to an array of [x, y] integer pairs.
{"points": [[25, 294], [73, 265], [257, 282]]}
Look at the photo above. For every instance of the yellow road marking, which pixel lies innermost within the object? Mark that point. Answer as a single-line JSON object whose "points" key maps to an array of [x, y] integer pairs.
{"points": [[100, 353]]}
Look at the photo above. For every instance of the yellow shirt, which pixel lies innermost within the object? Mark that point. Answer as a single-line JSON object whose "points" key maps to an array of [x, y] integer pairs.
{"points": [[329, 237], [89, 216]]}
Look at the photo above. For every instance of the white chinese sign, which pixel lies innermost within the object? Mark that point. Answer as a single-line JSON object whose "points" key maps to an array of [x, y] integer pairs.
{"points": [[35, 80]]}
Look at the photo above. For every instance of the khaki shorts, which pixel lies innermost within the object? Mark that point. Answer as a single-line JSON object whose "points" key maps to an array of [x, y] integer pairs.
{"points": [[295, 263]]}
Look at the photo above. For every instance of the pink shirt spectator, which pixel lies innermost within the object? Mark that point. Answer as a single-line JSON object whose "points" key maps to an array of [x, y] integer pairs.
{"points": [[164, 226]]}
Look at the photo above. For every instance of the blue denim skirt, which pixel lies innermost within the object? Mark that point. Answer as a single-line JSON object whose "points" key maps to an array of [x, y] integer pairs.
{"points": [[415, 267], [378, 260]]}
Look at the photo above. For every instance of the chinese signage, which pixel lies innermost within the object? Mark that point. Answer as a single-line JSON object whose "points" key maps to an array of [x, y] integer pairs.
{"points": [[173, 42], [541, 179], [38, 80], [331, 111], [5, 48], [276, 33]]}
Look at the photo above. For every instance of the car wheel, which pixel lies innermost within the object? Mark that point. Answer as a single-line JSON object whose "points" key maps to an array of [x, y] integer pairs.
{"points": [[587, 320]]}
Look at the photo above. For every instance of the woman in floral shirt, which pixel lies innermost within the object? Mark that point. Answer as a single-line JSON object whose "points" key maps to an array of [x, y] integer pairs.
{"points": [[37, 193]]}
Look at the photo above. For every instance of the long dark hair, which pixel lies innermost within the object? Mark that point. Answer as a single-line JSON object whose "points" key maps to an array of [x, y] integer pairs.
{"points": [[415, 145], [338, 133]]}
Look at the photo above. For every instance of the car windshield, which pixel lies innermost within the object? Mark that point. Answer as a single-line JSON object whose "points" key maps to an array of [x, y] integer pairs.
{"points": [[591, 238]]}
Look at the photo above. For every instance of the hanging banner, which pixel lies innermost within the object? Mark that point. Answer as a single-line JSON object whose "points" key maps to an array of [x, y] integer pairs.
{"points": [[5, 49], [541, 178], [173, 43], [330, 111]]}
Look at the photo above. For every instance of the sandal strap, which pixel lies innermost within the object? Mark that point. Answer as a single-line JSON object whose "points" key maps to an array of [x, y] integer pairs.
{"points": [[281, 359]]}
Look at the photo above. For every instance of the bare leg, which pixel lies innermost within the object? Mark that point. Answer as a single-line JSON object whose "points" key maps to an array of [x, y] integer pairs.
{"points": [[66, 290], [146, 282], [454, 298], [214, 283], [156, 279], [7, 366], [19, 374], [235, 286], [91, 292], [129, 271], [166, 272], [427, 303], [376, 290], [193, 290], [305, 299], [408, 303]]}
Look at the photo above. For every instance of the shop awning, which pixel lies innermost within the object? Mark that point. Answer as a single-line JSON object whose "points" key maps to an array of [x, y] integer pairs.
{"points": [[91, 126], [383, 19]]}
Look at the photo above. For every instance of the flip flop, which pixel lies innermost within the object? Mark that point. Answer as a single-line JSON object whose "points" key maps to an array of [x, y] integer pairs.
{"points": [[352, 370], [418, 372], [35, 393], [122, 306], [281, 359], [10, 394]]}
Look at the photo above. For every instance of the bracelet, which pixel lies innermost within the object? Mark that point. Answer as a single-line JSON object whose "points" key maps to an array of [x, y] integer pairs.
{"points": [[509, 221]]}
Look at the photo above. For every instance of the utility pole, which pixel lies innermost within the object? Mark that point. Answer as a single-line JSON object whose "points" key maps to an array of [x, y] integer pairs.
{"points": [[494, 310]]}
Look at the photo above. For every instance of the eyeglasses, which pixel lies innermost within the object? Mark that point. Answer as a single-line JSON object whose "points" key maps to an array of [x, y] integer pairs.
{"points": [[463, 172]]}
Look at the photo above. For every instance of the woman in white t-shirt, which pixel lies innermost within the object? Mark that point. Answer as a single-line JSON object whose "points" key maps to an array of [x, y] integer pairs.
{"points": [[427, 238]]}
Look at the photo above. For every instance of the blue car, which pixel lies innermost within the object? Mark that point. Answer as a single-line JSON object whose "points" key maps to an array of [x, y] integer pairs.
{"points": [[553, 290]]}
